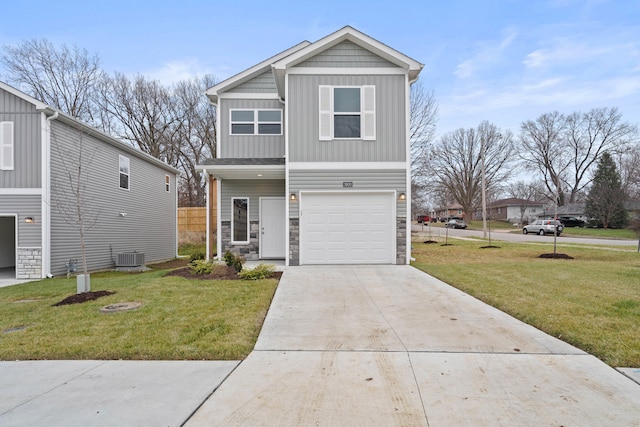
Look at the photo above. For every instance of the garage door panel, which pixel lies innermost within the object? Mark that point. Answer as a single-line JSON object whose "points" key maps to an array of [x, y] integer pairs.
{"points": [[347, 228]]}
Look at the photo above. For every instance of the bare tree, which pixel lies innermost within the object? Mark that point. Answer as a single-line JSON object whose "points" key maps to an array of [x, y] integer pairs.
{"points": [[629, 168], [72, 198], [196, 136], [423, 115], [563, 149], [456, 162], [62, 77]]}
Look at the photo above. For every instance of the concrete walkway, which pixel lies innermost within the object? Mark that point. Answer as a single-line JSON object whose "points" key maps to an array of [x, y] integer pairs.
{"points": [[390, 345], [343, 346]]}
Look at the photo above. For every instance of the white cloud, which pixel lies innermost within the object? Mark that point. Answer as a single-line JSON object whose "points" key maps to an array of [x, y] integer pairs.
{"points": [[175, 71], [487, 53]]}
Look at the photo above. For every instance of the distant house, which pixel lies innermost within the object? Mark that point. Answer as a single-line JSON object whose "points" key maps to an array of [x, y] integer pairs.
{"points": [[513, 210], [131, 197], [313, 163], [454, 209]]}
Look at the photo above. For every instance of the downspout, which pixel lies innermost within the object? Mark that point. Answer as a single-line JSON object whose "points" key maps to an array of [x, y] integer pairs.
{"points": [[46, 198]]}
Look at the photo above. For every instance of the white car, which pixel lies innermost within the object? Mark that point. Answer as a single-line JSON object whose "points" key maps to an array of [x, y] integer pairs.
{"points": [[543, 226]]}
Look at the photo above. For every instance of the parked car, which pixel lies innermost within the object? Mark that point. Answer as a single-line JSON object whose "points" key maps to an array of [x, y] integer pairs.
{"points": [[456, 223], [422, 219], [543, 226], [572, 221]]}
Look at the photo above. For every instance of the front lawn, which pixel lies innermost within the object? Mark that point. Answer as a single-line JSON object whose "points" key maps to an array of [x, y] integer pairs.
{"points": [[591, 301], [179, 318]]}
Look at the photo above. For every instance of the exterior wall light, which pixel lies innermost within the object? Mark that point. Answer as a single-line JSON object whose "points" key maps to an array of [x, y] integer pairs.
{"points": [[29, 220], [293, 197], [402, 197]]}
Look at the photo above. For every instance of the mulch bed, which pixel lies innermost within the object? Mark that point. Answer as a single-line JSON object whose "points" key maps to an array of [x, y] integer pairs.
{"points": [[429, 242], [490, 247], [83, 297], [556, 256], [221, 272]]}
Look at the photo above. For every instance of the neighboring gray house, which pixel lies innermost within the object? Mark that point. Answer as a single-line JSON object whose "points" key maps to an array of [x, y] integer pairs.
{"points": [[131, 197], [313, 162]]}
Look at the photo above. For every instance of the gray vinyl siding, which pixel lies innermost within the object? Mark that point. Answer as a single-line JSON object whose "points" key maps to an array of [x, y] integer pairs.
{"points": [[346, 54], [263, 83], [29, 235], [332, 180], [254, 189], [27, 142], [249, 146], [304, 140], [150, 222]]}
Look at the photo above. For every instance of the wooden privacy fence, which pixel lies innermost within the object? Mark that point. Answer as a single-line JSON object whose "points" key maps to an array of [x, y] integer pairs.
{"points": [[192, 225]]}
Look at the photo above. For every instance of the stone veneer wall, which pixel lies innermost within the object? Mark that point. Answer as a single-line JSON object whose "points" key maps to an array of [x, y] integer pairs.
{"points": [[249, 251], [29, 263], [294, 241], [401, 241]]}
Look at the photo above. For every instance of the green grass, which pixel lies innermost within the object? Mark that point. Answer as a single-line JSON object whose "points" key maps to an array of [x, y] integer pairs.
{"points": [[592, 301], [609, 233], [188, 248], [179, 318]]}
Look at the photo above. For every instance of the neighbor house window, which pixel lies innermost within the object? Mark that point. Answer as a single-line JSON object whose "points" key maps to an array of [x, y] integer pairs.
{"points": [[347, 112], [124, 172], [256, 122], [6, 145], [167, 183], [239, 220]]}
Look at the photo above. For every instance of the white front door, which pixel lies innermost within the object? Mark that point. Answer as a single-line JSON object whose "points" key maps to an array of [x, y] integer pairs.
{"points": [[273, 224]]}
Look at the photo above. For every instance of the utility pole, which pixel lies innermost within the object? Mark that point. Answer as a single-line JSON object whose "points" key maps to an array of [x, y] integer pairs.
{"points": [[484, 191]]}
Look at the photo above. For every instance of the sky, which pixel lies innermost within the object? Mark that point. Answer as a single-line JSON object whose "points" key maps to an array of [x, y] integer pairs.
{"points": [[503, 61]]}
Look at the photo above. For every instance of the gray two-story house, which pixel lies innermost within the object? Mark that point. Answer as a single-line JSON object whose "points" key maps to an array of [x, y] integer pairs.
{"points": [[128, 199], [313, 159]]}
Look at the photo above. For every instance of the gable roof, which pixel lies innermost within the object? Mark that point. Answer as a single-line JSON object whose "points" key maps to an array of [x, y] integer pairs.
{"points": [[89, 130], [299, 53], [410, 65], [250, 73]]}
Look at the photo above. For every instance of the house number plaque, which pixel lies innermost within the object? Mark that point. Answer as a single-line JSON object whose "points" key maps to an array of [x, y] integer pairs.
{"points": [[347, 184]]}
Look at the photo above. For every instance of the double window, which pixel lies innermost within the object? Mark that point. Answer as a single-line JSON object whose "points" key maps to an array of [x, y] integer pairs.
{"points": [[124, 172], [347, 112], [240, 220], [6, 145], [256, 122]]}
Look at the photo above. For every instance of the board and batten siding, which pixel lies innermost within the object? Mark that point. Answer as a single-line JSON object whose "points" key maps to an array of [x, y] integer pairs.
{"points": [[346, 54], [249, 146], [263, 83], [362, 180], [303, 110], [29, 234], [149, 224], [253, 189], [27, 142]]}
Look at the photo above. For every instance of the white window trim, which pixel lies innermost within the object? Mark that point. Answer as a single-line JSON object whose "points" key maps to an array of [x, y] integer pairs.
{"points": [[128, 174], [7, 144], [241, 242], [256, 122], [367, 113], [167, 183]]}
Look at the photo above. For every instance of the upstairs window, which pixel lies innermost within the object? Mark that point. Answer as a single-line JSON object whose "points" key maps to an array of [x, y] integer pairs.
{"points": [[6, 146], [167, 183], [347, 112], [124, 172], [256, 122]]}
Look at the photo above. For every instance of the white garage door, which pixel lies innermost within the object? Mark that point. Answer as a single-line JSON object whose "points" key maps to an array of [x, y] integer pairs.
{"points": [[347, 228]]}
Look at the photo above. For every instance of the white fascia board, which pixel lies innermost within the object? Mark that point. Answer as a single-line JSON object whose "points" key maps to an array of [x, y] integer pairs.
{"points": [[347, 165], [12, 90], [215, 91], [358, 38], [382, 71], [45, 129], [245, 95], [21, 191]]}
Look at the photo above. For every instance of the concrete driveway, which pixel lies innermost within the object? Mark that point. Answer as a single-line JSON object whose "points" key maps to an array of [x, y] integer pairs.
{"points": [[390, 345]]}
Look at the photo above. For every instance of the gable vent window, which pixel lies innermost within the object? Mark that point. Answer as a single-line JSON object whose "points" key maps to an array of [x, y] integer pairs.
{"points": [[347, 112], [256, 122], [6, 145], [124, 172]]}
